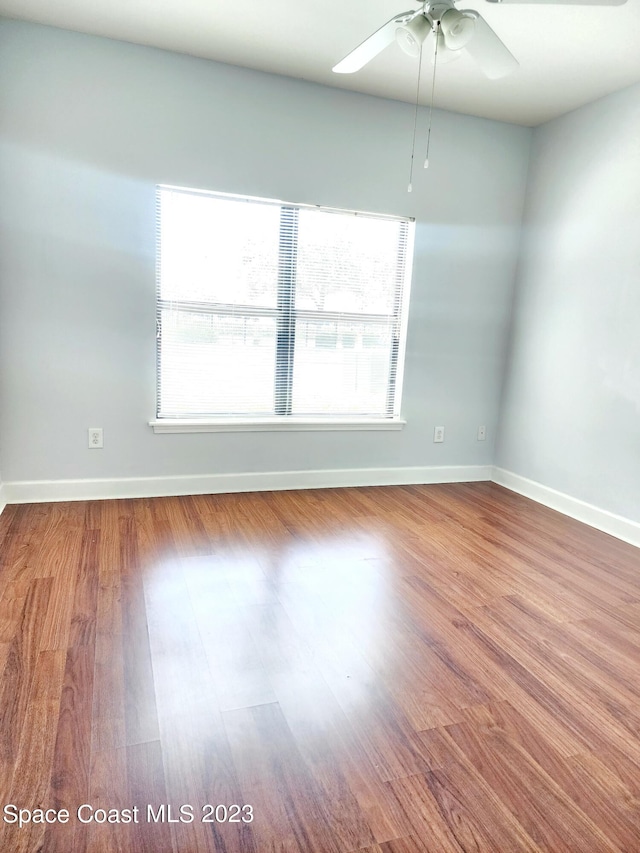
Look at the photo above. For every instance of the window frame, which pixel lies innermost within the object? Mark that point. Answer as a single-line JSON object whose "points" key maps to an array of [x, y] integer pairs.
{"points": [[286, 315]]}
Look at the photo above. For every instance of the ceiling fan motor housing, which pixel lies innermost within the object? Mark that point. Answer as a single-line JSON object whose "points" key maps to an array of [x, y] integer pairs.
{"points": [[435, 11]]}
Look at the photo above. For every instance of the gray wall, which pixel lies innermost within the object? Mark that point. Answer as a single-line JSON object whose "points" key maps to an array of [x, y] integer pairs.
{"points": [[570, 415], [89, 126]]}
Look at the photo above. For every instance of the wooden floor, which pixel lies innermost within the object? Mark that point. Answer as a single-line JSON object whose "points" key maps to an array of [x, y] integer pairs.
{"points": [[430, 668]]}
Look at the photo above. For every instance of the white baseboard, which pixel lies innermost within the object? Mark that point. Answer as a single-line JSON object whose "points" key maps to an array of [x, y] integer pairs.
{"points": [[616, 525], [42, 491]]}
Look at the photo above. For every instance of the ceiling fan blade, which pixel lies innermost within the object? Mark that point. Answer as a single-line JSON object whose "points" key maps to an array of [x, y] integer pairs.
{"points": [[565, 2], [374, 45], [493, 57]]}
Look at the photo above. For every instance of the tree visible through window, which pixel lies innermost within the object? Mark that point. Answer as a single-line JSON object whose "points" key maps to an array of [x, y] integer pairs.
{"points": [[270, 310]]}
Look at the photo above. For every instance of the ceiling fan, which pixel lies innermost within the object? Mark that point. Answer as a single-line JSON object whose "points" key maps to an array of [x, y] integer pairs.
{"points": [[455, 30]]}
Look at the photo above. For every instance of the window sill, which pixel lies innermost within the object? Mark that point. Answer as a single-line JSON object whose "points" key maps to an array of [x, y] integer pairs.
{"points": [[175, 425]]}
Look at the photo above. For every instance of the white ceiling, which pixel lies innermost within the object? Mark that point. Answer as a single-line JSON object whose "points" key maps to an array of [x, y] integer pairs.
{"points": [[569, 55]]}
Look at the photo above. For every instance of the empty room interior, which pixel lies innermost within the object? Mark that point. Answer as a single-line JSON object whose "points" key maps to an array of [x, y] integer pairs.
{"points": [[319, 427]]}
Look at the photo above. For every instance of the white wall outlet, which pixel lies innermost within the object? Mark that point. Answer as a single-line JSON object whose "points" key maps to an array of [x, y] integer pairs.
{"points": [[482, 433], [95, 437], [438, 434]]}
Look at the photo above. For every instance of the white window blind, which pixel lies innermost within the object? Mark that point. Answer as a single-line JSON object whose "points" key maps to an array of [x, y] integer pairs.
{"points": [[266, 309]]}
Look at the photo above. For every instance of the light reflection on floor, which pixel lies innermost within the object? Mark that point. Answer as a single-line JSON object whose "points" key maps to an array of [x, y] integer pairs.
{"points": [[266, 618]]}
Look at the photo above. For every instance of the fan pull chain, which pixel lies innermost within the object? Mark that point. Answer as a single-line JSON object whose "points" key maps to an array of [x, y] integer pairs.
{"points": [[415, 123], [433, 87]]}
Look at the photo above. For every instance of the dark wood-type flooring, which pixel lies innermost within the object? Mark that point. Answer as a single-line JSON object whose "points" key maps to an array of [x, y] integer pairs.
{"points": [[385, 670]]}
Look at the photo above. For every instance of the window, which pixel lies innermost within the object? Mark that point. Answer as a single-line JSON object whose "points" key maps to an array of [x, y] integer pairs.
{"points": [[271, 312]]}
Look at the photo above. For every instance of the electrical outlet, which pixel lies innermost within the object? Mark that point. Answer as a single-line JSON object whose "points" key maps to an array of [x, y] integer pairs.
{"points": [[438, 434], [95, 437], [482, 433]]}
